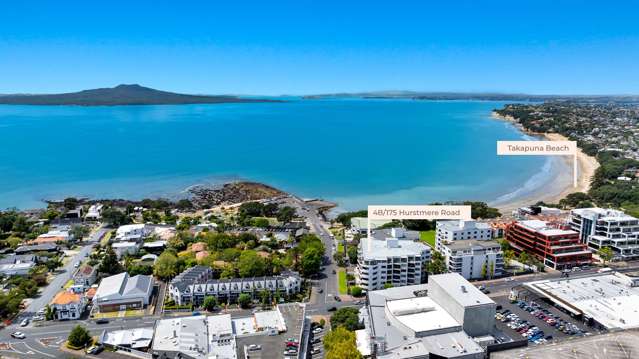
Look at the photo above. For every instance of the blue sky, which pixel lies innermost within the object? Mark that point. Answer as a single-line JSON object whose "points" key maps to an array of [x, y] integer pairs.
{"points": [[303, 47]]}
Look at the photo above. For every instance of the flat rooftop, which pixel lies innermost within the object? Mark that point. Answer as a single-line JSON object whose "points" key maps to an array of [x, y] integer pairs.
{"points": [[460, 290], [472, 243], [458, 225], [544, 228], [609, 299], [382, 249], [421, 315]]}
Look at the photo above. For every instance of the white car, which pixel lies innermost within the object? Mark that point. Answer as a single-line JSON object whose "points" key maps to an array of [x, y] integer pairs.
{"points": [[18, 335], [24, 322], [317, 330], [77, 264]]}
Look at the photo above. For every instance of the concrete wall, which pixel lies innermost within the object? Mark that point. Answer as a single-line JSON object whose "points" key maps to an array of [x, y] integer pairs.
{"points": [[476, 320]]}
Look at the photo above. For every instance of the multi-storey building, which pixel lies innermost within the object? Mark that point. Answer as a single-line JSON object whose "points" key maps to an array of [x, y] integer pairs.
{"points": [[454, 230], [195, 283], [68, 305], [393, 257], [600, 227], [554, 246], [446, 318], [474, 259]]}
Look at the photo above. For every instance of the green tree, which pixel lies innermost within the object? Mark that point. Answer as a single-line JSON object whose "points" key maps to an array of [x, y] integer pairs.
{"points": [[437, 264], [209, 303], [265, 297], [251, 265], [115, 217], [285, 214], [388, 285], [348, 317], [259, 222], [606, 254], [340, 344], [184, 204], [49, 312], [356, 291], [14, 242], [311, 261], [484, 270], [352, 254], [79, 337], [244, 300], [166, 265], [110, 263], [79, 232]]}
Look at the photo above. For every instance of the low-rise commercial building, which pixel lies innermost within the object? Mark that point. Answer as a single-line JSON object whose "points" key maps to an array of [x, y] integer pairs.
{"points": [[474, 259], [599, 227], [196, 337], [454, 230], [446, 318], [552, 244], [121, 292], [195, 283], [606, 300], [391, 256]]}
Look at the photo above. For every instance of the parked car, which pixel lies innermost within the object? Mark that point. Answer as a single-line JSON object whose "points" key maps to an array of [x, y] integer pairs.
{"points": [[24, 322], [254, 347], [18, 335], [317, 330], [95, 349]]}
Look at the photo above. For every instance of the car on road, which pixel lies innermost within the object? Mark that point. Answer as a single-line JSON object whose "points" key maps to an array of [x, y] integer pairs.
{"points": [[18, 335], [254, 347], [102, 321], [337, 298], [41, 311], [24, 322], [334, 272], [95, 349], [332, 309], [76, 265], [320, 290], [38, 318]]}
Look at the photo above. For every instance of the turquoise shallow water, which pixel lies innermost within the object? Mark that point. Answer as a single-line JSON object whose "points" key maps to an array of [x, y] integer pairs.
{"points": [[355, 152]]}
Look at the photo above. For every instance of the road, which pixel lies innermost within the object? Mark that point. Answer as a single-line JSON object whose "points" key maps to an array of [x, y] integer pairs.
{"points": [[63, 275], [327, 280], [44, 341]]}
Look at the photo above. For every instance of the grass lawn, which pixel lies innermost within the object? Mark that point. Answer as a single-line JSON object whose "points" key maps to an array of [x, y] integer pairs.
{"points": [[105, 239], [428, 237], [341, 281], [340, 248], [68, 284]]}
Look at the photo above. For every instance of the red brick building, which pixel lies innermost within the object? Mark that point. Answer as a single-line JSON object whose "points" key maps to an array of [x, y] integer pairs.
{"points": [[554, 246]]}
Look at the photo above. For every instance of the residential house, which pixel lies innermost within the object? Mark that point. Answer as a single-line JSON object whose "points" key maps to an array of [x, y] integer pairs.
{"points": [[68, 305]]}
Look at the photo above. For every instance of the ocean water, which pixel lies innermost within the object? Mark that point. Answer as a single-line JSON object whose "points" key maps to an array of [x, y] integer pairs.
{"points": [[355, 152]]}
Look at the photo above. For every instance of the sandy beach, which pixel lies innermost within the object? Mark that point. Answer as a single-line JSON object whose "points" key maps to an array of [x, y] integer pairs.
{"points": [[560, 183]]}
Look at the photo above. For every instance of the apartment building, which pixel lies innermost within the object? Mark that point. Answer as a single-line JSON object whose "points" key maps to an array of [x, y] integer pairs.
{"points": [[474, 259], [599, 227], [454, 230], [195, 283], [553, 244], [391, 256]]}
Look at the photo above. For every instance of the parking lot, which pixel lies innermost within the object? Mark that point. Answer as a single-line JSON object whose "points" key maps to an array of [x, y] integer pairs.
{"points": [[527, 315], [274, 346]]}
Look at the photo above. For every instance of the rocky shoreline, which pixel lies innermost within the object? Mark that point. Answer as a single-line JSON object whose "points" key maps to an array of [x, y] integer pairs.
{"points": [[231, 193]]}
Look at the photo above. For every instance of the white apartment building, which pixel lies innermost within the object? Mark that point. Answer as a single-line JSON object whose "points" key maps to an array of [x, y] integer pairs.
{"points": [[474, 259], [453, 230], [599, 227], [391, 256]]}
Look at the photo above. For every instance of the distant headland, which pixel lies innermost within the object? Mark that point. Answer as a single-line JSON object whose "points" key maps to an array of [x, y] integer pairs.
{"points": [[120, 95]]}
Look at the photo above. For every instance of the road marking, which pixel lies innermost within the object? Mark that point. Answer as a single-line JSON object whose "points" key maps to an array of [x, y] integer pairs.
{"points": [[14, 349], [37, 351]]}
